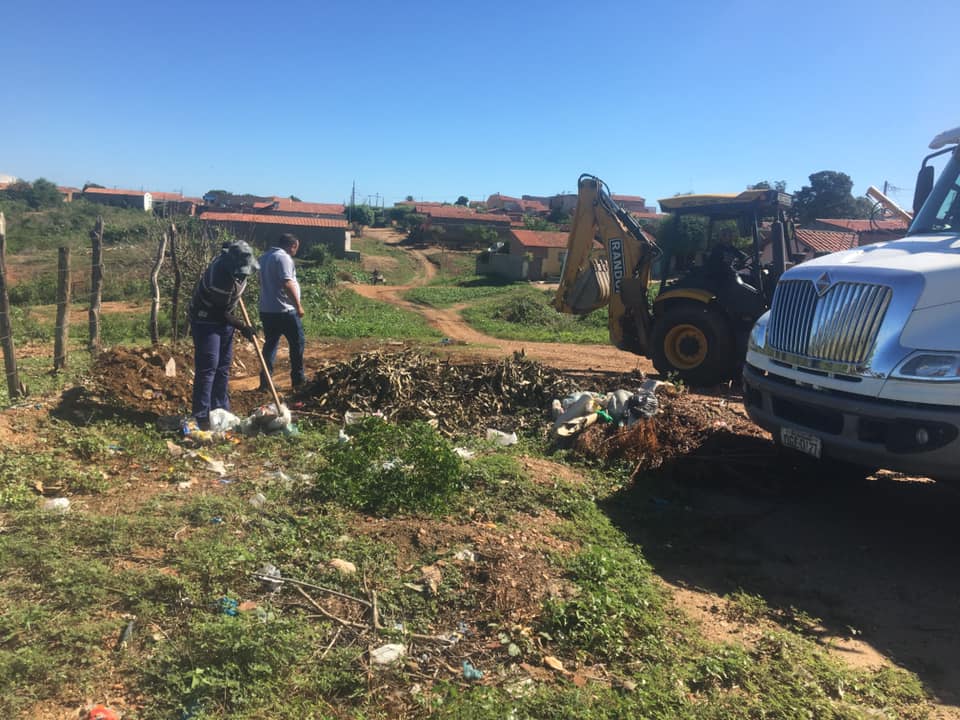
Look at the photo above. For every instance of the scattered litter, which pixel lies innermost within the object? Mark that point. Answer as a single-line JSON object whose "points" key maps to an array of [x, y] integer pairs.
{"points": [[247, 606], [501, 438], [125, 636], [222, 420], [225, 480], [344, 566], [279, 476], [466, 556], [464, 454], [101, 712], [228, 606], [170, 369], [350, 416], [470, 672], [386, 654], [432, 576], [553, 663], [271, 577], [216, 520], [60, 504], [174, 449], [184, 485], [580, 410], [258, 500], [214, 466]]}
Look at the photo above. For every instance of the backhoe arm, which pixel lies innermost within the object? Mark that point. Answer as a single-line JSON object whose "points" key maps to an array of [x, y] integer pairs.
{"points": [[619, 277]]}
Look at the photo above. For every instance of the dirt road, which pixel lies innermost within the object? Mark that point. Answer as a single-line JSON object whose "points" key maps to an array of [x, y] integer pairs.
{"points": [[465, 340]]}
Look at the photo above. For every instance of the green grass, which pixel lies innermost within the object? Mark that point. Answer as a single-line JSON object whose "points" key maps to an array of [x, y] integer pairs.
{"points": [[174, 564], [466, 290], [344, 314], [524, 313], [401, 267]]}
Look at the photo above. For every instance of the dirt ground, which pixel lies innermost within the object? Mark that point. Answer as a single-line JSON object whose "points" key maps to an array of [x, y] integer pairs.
{"points": [[874, 561]]}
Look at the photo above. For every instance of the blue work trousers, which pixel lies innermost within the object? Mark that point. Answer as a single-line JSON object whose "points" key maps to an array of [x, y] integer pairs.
{"points": [[288, 325], [212, 355]]}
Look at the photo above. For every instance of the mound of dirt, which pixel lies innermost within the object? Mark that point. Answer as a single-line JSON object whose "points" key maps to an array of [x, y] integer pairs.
{"points": [[142, 384]]}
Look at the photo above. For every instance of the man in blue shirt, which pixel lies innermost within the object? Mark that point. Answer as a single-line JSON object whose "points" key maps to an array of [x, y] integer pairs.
{"points": [[280, 308]]}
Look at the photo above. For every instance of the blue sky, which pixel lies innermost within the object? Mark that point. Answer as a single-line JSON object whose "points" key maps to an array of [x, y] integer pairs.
{"points": [[441, 99]]}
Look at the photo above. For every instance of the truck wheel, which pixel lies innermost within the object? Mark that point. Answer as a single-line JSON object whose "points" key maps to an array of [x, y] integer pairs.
{"points": [[694, 343]]}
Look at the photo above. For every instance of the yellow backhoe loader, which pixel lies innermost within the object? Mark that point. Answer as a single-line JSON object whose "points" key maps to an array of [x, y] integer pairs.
{"points": [[693, 323]]}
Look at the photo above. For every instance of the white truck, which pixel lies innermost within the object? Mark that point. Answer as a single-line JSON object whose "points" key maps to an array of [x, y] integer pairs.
{"points": [[858, 359]]}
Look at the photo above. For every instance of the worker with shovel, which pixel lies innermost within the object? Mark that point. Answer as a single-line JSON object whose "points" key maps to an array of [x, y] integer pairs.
{"points": [[213, 322]]}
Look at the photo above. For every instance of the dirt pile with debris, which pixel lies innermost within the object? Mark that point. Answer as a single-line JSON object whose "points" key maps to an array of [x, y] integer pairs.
{"points": [[510, 394]]}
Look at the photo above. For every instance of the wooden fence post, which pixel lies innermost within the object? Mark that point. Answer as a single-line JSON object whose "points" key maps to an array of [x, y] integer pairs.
{"points": [[155, 287], [96, 283], [177, 281], [15, 388], [63, 310]]}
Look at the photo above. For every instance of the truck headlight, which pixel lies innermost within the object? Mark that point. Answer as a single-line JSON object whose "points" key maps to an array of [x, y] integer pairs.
{"points": [[758, 335], [930, 366]]}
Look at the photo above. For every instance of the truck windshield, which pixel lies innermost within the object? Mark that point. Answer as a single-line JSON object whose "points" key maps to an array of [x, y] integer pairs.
{"points": [[941, 211]]}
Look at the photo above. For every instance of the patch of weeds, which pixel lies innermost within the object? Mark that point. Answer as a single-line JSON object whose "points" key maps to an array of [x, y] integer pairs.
{"points": [[744, 607], [724, 666], [389, 468], [498, 486], [618, 606], [20, 473], [225, 666]]}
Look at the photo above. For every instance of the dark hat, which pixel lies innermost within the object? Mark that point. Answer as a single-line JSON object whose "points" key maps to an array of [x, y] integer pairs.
{"points": [[242, 259]]}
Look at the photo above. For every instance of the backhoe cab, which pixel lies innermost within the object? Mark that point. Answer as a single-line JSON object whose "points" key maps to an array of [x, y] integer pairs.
{"points": [[700, 316]]}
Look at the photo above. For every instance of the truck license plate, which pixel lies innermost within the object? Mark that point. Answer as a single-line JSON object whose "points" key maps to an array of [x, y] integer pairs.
{"points": [[798, 440]]}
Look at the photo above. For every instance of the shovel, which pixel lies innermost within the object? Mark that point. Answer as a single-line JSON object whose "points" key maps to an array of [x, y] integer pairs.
{"points": [[283, 413]]}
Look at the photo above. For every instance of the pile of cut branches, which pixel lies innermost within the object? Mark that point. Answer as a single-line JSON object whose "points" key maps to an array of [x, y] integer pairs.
{"points": [[510, 394]]}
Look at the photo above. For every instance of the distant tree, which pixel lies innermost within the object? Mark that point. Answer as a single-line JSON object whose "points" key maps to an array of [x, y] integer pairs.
{"points": [[481, 236], [361, 214], [37, 195], [295, 198], [409, 198], [779, 185], [462, 200], [89, 184], [681, 237], [827, 196], [533, 222], [44, 194]]}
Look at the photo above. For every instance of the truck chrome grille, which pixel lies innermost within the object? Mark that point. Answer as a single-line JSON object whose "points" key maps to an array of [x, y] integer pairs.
{"points": [[839, 326]]}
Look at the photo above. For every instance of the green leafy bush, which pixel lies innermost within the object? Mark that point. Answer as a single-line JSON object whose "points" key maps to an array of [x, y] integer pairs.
{"points": [[387, 468]]}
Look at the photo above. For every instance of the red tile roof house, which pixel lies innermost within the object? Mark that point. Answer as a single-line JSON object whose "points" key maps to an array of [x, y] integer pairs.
{"points": [[457, 221], [544, 250], [813, 243], [515, 208], [868, 231], [137, 199], [631, 203], [297, 208], [67, 192], [261, 230], [169, 204]]}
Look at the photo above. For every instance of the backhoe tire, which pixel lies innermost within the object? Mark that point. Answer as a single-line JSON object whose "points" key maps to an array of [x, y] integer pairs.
{"points": [[694, 343]]}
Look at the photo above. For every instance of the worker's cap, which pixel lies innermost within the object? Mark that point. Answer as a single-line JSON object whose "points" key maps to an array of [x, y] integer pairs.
{"points": [[242, 260]]}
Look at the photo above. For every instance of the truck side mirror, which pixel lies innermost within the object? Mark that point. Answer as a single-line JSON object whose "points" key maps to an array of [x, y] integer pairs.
{"points": [[924, 186]]}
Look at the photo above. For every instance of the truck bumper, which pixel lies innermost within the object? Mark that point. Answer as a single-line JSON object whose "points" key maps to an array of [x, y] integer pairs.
{"points": [[907, 437]]}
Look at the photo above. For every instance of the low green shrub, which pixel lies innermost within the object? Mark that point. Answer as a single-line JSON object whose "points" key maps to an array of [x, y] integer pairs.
{"points": [[387, 468]]}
